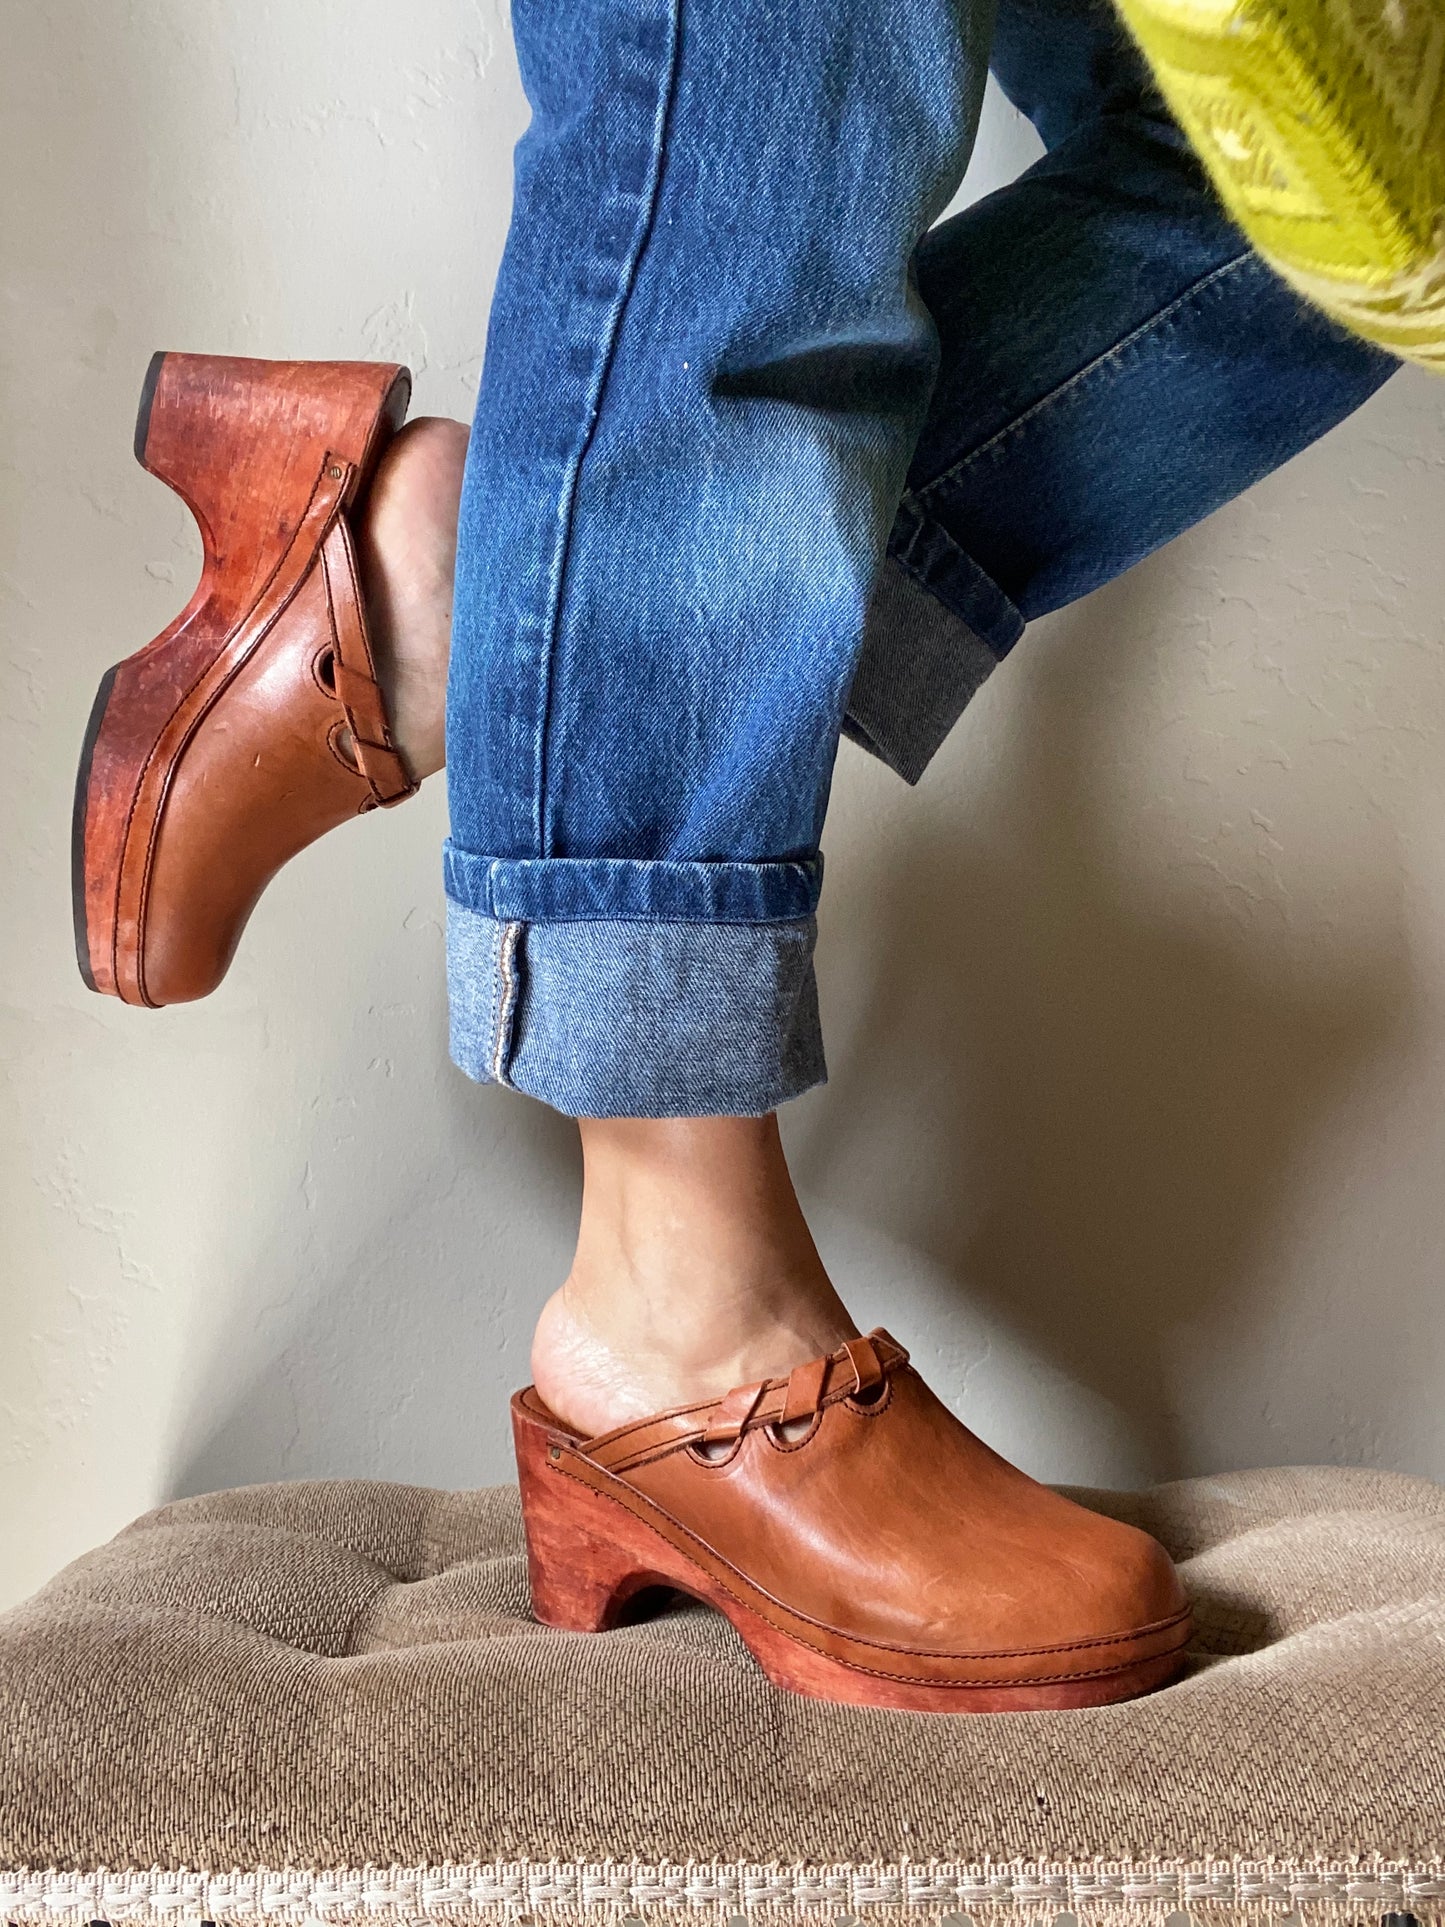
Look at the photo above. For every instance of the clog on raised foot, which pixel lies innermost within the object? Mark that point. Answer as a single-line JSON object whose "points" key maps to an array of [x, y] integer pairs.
{"points": [[866, 1546], [254, 723]]}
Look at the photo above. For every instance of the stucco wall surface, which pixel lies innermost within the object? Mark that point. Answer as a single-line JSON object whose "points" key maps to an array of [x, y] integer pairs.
{"points": [[1136, 1009]]}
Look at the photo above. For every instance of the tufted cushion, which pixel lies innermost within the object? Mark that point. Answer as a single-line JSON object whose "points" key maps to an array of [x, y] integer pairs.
{"points": [[301, 1701]]}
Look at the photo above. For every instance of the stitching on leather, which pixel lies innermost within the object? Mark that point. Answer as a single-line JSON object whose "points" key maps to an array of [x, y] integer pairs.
{"points": [[665, 1450], [878, 1672], [328, 689], [153, 838], [358, 600], [879, 1645], [333, 743], [638, 1425], [876, 1407], [365, 671], [387, 744], [770, 1433]]}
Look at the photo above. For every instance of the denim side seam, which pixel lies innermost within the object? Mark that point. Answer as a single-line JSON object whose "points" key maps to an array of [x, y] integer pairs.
{"points": [[611, 334], [504, 999], [916, 498]]}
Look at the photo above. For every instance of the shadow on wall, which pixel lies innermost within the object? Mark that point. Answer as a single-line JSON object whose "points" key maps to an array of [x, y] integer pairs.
{"points": [[397, 1359], [1106, 1104]]}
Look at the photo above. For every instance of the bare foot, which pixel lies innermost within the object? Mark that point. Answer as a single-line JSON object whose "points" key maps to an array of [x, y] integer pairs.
{"points": [[695, 1272], [597, 1376], [407, 549]]}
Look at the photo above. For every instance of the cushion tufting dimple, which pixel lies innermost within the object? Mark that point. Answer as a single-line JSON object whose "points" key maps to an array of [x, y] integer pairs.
{"points": [[304, 1701]]}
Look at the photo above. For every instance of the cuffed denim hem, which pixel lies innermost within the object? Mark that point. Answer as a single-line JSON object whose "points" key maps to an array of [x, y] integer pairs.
{"points": [[937, 627], [924, 549], [920, 665], [632, 1017], [559, 889]]}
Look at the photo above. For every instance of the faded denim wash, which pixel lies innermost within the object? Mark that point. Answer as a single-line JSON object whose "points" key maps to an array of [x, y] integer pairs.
{"points": [[726, 376]]}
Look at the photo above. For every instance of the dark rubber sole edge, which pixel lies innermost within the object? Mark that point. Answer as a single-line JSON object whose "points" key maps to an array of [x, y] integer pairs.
{"points": [[77, 828], [147, 402]]}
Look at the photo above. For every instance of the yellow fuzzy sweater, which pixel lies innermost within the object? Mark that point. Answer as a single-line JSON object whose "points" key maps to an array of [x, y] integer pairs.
{"points": [[1323, 125]]}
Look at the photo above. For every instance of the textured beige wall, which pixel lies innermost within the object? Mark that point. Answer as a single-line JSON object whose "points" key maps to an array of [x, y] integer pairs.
{"points": [[1136, 1009]]}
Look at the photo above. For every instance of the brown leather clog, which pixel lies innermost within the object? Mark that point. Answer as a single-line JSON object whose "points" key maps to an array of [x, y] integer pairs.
{"points": [[254, 723], [866, 1546]]}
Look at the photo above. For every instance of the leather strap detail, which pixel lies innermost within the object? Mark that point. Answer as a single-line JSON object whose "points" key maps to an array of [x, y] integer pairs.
{"points": [[867, 1366], [357, 689], [729, 1420], [804, 1392], [858, 1366], [650, 1438]]}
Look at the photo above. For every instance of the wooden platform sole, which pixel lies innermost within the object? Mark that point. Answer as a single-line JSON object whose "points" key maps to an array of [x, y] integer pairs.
{"points": [[595, 1544]]}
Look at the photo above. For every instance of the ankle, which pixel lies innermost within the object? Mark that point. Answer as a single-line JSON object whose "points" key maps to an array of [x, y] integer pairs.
{"points": [[698, 1324], [692, 1223], [695, 1271], [598, 1367], [406, 536]]}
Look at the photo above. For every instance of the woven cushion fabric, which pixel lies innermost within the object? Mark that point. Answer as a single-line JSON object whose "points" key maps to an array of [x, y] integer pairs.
{"points": [[297, 1683], [1322, 123]]}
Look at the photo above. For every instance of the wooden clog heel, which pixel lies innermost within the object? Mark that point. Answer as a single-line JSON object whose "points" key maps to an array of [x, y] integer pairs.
{"points": [[253, 723]]}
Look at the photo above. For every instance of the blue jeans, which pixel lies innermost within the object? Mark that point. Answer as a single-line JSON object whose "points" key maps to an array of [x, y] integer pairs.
{"points": [[761, 454]]}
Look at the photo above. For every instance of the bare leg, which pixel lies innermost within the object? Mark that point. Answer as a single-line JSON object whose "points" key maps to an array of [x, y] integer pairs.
{"points": [[695, 1269], [407, 546]]}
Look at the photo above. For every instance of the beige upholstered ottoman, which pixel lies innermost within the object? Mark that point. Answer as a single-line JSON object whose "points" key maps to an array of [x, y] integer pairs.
{"points": [[327, 1702]]}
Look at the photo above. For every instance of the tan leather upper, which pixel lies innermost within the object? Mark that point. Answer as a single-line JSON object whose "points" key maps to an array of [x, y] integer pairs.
{"points": [[890, 1521], [254, 722], [294, 744]]}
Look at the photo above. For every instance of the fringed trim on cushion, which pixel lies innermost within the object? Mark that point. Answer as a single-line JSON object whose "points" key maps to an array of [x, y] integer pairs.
{"points": [[1101, 1893]]}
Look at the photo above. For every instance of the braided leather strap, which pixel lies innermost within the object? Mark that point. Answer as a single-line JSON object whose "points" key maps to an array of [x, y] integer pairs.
{"points": [[854, 1370], [357, 689]]}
